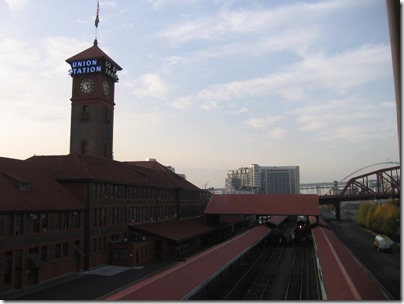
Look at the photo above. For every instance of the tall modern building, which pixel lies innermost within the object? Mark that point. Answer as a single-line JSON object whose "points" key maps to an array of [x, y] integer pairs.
{"points": [[264, 179], [285, 179]]}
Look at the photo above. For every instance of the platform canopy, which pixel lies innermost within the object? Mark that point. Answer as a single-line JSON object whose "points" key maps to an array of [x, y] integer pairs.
{"points": [[264, 204]]}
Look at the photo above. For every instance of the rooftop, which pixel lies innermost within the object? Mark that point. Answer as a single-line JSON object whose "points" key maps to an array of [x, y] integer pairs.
{"points": [[273, 204]]}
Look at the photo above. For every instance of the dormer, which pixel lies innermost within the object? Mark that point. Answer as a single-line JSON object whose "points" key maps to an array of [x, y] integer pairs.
{"points": [[20, 183]]}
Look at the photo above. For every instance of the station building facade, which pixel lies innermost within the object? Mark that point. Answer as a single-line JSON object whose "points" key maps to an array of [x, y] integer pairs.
{"points": [[63, 214]]}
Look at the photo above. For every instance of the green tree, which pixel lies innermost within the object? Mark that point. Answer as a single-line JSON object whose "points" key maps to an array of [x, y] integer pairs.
{"points": [[381, 217], [391, 218], [361, 214]]}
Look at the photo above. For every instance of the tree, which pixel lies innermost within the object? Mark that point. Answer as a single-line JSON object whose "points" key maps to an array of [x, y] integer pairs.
{"points": [[380, 217]]}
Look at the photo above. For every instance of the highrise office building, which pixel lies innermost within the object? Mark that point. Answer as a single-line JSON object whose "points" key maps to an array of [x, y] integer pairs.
{"points": [[285, 179]]}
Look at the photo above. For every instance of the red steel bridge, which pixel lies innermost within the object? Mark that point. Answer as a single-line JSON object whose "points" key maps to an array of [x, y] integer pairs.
{"points": [[379, 184]]}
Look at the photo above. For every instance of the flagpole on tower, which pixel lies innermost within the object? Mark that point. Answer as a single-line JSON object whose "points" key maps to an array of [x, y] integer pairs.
{"points": [[97, 20]]}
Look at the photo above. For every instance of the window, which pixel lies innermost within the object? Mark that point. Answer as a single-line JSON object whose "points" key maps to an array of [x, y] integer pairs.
{"points": [[84, 113], [44, 222], [58, 221], [58, 251], [83, 147], [65, 221], [94, 245], [77, 220], [95, 217], [104, 216], [35, 222], [19, 224], [132, 214], [24, 186], [44, 253], [8, 257], [107, 115], [65, 250]]}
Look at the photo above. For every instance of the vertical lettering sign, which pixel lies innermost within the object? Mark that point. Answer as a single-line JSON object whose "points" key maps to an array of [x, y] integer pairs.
{"points": [[111, 70]]}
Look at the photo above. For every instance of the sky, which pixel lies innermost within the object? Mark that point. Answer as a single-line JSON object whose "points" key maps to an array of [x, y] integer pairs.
{"points": [[209, 86]]}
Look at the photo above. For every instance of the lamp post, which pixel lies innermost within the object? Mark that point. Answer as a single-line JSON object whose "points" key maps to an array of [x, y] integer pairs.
{"points": [[206, 184]]}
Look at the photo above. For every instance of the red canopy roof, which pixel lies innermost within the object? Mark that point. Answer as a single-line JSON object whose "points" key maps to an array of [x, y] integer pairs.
{"points": [[273, 204], [179, 230]]}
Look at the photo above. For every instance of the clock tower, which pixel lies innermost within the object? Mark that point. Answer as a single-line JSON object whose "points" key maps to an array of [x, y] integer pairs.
{"points": [[94, 76]]}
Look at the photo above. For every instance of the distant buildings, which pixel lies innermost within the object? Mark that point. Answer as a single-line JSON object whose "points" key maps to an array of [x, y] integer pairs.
{"points": [[264, 179]]}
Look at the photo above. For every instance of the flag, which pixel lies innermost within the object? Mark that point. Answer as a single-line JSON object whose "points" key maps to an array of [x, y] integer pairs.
{"points": [[97, 18]]}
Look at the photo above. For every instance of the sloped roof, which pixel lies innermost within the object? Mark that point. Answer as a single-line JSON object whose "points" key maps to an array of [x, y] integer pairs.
{"points": [[42, 192], [85, 167], [162, 174], [344, 278], [273, 204], [93, 52], [180, 230]]}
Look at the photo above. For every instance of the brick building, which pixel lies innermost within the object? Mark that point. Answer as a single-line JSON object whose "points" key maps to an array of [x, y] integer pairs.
{"points": [[70, 213]]}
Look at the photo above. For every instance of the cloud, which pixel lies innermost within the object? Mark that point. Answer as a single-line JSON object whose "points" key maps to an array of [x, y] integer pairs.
{"points": [[260, 123], [35, 76], [345, 70], [239, 111], [16, 5], [151, 85], [347, 120], [227, 23], [318, 72], [157, 4], [108, 3], [55, 48], [275, 134], [388, 105]]}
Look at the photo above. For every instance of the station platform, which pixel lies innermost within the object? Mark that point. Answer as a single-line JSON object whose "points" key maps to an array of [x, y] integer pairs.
{"points": [[182, 280]]}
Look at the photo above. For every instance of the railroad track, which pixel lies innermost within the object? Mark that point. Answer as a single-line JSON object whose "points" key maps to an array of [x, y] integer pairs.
{"points": [[280, 273]]}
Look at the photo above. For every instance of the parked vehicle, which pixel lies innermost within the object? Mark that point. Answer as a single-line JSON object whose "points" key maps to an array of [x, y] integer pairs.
{"points": [[382, 243]]}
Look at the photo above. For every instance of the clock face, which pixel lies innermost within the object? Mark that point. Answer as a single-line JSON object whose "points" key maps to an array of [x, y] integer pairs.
{"points": [[105, 88], [87, 85]]}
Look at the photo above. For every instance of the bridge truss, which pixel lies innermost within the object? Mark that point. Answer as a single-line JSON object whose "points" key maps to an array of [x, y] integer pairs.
{"points": [[347, 184], [380, 183]]}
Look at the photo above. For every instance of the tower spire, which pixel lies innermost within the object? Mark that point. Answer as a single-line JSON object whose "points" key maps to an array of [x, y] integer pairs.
{"points": [[97, 19]]}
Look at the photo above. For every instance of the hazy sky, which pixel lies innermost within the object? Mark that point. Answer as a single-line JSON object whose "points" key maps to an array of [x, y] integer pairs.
{"points": [[209, 85]]}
